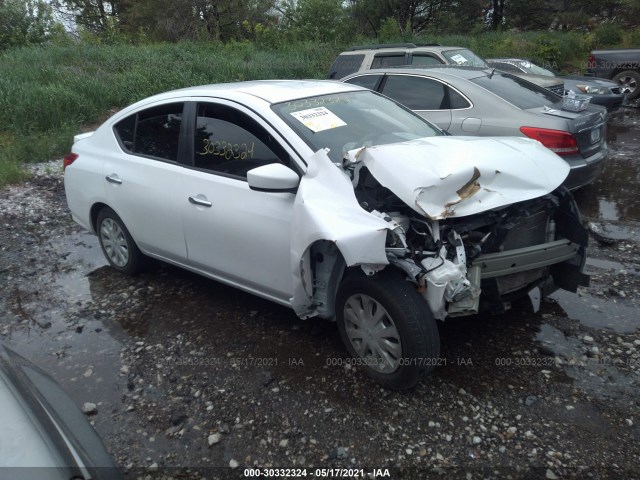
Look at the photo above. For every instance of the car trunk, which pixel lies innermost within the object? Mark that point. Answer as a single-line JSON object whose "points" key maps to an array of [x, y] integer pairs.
{"points": [[587, 127]]}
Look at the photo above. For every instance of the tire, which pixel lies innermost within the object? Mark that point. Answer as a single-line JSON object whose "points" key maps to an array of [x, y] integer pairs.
{"points": [[411, 347], [116, 242], [629, 80]]}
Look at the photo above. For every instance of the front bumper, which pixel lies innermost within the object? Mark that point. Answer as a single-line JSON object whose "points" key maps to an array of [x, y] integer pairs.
{"points": [[500, 264]]}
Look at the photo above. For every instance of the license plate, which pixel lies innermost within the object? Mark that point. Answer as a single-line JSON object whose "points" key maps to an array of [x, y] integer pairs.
{"points": [[595, 135]]}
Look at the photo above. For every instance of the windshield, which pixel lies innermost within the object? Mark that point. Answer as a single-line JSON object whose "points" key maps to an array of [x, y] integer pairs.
{"points": [[465, 57], [517, 91], [344, 121], [536, 70]]}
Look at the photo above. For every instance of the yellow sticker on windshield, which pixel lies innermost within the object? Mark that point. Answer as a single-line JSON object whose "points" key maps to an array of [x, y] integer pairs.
{"points": [[318, 119]]}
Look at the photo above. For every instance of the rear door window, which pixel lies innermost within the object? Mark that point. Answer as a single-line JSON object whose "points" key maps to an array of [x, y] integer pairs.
{"points": [[383, 60], [366, 81], [154, 132], [345, 65]]}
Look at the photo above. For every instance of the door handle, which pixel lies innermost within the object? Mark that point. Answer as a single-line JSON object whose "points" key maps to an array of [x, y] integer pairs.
{"points": [[200, 201], [113, 178]]}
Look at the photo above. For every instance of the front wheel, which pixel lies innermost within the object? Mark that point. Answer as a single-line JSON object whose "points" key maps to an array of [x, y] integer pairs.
{"points": [[629, 81], [116, 242], [388, 328]]}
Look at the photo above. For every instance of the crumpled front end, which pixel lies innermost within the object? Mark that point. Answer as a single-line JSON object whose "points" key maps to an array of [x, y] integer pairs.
{"points": [[470, 229], [485, 216]]}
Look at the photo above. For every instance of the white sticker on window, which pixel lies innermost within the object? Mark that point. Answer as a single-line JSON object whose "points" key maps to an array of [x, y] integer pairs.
{"points": [[459, 59], [318, 119]]}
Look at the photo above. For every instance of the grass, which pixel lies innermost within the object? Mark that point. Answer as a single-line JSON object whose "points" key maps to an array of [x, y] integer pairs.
{"points": [[48, 93]]}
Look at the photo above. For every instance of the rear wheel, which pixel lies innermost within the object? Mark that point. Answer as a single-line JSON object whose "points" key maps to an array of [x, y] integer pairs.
{"points": [[629, 81], [388, 328], [118, 246]]}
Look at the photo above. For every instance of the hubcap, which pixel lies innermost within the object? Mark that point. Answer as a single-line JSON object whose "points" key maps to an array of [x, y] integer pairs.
{"points": [[628, 84], [114, 242], [372, 333]]}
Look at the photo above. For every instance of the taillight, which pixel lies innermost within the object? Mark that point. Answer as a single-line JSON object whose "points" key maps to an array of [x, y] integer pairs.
{"points": [[591, 61], [562, 143], [68, 159]]}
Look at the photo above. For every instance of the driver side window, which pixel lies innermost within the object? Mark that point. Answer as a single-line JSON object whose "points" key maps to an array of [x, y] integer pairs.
{"points": [[231, 143]]}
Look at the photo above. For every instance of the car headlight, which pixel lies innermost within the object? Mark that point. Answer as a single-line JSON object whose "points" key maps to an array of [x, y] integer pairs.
{"points": [[592, 90]]}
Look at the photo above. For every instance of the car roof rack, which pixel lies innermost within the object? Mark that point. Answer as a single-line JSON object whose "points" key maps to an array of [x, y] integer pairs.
{"points": [[379, 46]]}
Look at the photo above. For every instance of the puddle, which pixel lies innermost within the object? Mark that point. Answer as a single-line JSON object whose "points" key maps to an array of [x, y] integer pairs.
{"points": [[596, 375], [613, 196], [596, 312]]}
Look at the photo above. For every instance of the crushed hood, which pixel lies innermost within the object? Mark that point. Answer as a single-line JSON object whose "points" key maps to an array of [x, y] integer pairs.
{"points": [[444, 177]]}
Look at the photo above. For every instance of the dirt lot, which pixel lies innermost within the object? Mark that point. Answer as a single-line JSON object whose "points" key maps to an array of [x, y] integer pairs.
{"points": [[191, 377]]}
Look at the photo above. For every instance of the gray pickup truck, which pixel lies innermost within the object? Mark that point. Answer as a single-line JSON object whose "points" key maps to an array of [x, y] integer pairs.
{"points": [[621, 65]]}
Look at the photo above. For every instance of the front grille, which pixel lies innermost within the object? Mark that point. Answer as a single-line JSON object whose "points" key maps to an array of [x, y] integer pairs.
{"points": [[615, 90], [557, 89]]}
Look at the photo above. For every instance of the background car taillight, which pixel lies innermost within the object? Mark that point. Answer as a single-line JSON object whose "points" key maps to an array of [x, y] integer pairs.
{"points": [[591, 61], [68, 159], [562, 143]]}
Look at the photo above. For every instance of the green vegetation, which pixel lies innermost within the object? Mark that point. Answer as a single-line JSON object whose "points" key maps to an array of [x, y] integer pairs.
{"points": [[50, 92]]}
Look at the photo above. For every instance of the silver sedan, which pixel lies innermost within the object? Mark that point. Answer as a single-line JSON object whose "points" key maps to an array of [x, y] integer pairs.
{"points": [[485, 102]]}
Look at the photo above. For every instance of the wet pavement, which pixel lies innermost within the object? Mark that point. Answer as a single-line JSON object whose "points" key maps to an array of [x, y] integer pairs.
{"points": [[189, 375]]}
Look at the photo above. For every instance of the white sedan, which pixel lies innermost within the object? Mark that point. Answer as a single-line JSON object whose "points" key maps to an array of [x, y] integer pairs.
{"points": [[335, 201]]}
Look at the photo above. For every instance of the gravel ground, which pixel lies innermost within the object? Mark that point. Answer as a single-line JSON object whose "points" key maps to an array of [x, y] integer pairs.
{"points": [[193, 379]]}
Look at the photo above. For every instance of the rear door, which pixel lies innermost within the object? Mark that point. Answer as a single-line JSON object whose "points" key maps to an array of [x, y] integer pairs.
{"points": [[142, 183]]}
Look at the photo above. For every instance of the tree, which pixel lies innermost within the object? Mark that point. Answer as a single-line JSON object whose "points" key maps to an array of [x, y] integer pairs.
{"points": [[24, 22], [96, 16], [321, 20]]}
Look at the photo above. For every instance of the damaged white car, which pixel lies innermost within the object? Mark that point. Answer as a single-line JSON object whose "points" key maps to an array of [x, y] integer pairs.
{"points": [[335, 201]]}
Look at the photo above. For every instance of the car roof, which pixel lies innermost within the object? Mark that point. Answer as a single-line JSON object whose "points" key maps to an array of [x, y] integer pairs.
{"points": [[271, 91], [444, 70], [508, 60], [417, 49]]}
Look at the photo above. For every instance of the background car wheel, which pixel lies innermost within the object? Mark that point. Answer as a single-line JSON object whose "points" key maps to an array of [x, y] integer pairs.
{"points": [[118, 246], [388, 328], [629, 81]]}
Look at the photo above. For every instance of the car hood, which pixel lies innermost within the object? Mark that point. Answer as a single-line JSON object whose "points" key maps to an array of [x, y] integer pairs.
{"points": [[592, 81], [444, 177], [544, 81]]}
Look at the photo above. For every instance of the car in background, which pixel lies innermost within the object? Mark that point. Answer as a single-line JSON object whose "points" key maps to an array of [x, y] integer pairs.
{"points": [[486, 102], [621, 65], [602, 91], [334, 201], [357, 59], [44, 435]]}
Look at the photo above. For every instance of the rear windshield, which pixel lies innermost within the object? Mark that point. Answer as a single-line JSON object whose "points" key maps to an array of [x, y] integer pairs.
{"points": [[517, 91], [464, 57], [536, 70]]}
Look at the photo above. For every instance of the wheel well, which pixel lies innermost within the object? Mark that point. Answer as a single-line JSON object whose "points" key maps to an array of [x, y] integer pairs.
{"points": [[327, 267], [93, 214], [620, 70]]}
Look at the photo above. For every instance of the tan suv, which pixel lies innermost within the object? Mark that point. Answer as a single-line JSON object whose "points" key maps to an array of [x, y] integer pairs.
{"points": [[367, 57]]}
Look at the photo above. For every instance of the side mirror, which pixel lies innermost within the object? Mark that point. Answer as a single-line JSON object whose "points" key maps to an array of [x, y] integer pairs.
{"points": [[275, 178]]}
